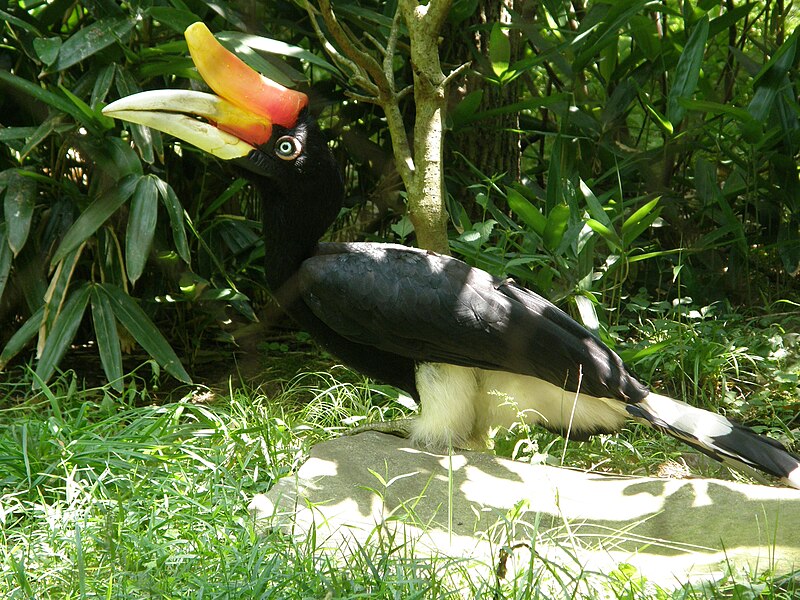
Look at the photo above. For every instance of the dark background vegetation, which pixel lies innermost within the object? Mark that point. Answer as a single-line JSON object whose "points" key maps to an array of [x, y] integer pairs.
{"points": [[635, 162]]}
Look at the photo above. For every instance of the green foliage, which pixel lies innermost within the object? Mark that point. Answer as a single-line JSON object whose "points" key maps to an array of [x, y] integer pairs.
{"points": [[654, 137], [116, 219]]}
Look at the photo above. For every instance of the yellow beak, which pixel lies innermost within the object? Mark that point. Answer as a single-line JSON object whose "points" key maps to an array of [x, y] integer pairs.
{"points": [[228, 125]]}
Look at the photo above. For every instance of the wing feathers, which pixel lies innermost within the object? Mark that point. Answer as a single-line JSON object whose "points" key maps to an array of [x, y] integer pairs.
{"points": [[434, 308]]}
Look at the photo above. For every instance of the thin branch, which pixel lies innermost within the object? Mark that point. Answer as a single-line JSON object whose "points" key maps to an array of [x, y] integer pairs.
{"points": [[391, 46], [455, 73], [404, 92], [376, 44], [344, 63], [377, 80], [363, 98], [352, 48]]}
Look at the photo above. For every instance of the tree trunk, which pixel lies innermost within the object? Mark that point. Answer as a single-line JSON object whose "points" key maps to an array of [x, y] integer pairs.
{"points": [[425, 187], [421, 166]]}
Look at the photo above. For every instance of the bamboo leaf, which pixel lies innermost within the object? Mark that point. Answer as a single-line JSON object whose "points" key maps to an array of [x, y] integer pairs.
{"points": [[608, 234], [271, 46], [687, 72], [232, 190], [41, 133], [147, 140], [499, 50], [176, 19], [18, 209], [102, 84], [146, 334], [526, 211], [95, 215], [114, 156], [105, 331], [660, 119], [5, 258], [62, 333], [176, 219], [47, 49], [588, 312], [639, 215], [16, 21], [716, 108], [43, 95], [141, 226], [554, 191], [639, 221], [81, 105], [589, 43], [91, 39], [645, 34], [593, 205], [773, 72], [465, 111], [772, 77], [633, 355], [21, 337], [556, 226], [56, 294]]}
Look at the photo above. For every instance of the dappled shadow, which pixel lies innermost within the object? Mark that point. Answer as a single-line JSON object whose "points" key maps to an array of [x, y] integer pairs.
{"points": [[382, 478]]}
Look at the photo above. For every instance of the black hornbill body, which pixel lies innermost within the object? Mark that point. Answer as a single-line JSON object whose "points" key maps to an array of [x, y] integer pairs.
{"points": [[476, 351]]}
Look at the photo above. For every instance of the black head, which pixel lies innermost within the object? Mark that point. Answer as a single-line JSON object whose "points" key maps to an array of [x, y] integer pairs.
{"points": [[262, 126], [298, 162]]}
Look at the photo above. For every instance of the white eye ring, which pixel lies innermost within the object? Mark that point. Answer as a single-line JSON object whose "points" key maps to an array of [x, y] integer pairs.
{"points": [[288, 147]]}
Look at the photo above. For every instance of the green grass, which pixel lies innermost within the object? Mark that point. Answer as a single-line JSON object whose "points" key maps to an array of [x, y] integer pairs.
{"points": [[143, 496]]}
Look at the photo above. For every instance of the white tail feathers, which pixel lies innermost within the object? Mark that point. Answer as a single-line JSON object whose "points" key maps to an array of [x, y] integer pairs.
{"points": [[718, 437], [793, 478]]}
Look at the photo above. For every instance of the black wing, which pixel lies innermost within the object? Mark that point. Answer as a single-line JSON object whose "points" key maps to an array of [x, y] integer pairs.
{"points": [[434, 308]]}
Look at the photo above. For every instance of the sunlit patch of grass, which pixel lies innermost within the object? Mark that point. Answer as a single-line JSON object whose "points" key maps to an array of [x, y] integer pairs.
{"points": [[123, 496]]}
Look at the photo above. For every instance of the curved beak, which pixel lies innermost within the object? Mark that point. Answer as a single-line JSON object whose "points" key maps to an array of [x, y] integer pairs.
{"points": [[228, 125]]}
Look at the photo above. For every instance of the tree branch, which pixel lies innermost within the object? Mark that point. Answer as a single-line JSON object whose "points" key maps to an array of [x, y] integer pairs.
{"points": [[421, 167]]}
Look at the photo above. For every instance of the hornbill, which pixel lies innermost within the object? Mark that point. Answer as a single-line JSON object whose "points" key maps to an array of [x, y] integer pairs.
{"points": [[475, 351]]}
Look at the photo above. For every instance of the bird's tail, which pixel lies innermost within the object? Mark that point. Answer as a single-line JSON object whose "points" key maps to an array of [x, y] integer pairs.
{"points": [[718, 437]]}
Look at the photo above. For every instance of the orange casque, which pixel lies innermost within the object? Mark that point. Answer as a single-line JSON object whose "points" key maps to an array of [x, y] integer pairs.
{"points": [[229, 77]]}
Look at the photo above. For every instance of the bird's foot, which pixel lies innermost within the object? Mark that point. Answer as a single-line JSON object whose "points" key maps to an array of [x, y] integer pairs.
{"points": [[398, 428]]}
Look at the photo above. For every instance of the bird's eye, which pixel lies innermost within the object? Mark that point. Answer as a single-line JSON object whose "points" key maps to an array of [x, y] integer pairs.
{"points": [[288, 147]]}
